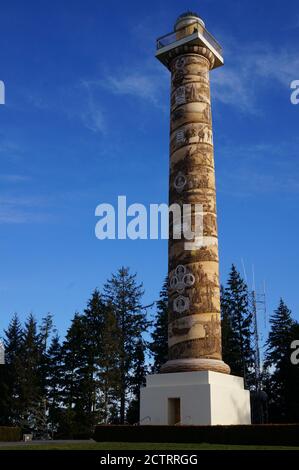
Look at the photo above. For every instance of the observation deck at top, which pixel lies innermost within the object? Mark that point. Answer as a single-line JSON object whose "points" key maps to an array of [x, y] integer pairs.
{"points": [[189, 29]]}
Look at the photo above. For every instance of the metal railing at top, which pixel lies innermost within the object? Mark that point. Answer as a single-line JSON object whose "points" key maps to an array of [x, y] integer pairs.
{"points": [[170, 38]]}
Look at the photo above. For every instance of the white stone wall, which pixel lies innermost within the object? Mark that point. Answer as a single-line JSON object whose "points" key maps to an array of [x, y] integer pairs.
{"points": [[207, 398]]}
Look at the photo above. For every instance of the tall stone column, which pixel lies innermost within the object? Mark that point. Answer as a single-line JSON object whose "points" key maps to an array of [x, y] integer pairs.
{"points": [[194, 337], [194, 387]]}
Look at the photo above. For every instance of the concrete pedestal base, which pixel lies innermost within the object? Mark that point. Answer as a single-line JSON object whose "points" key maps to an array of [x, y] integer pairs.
{"points": [[194, 398]]}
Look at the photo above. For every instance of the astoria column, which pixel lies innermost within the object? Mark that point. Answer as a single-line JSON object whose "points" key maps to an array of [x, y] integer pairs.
{"points": [[194, 332]]}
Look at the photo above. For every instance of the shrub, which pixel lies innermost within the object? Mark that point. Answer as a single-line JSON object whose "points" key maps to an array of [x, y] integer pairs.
{"points": [[9, 433], [262, 434]]}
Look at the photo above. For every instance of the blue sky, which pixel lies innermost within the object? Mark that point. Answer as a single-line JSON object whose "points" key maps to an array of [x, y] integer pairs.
{"points": [[86, 120]]}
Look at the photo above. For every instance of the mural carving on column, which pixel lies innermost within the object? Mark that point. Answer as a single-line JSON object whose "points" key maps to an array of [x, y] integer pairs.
{"points": [[181, 304], [194, 300], [191, 135], [178, 114], [180, 182], [179, 96], [200, 328], [207, 254], [181, 279], [196, 151], [193, 94], [178, 78], [210, 225], [204, 253], [200, 134], [180, 137], [178, 282], [205, 135], [180, 62], [189, 93], [209, 346]]}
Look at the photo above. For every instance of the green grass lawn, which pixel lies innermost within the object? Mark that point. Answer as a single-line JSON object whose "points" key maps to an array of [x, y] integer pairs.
{"points": [[138, 446]]}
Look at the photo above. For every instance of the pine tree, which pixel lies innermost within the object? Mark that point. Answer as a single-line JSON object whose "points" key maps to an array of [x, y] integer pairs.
{"points": [[74, 417], [123, 295], [138, 375], [94, 319], [91, 361], [109, 370], [45, 330], [54, 383], [83, 352], [10, 396], [238, 350], [159, 344], [31, 394], [278, 363], [229, 351]]}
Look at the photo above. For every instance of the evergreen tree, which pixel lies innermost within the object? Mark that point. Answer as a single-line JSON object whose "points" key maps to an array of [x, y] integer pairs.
{"points": [[237, 328], [94, 319], [281, 376], [83, 352], [54, 383], [74, 417], [109, 370], [159, 344], [229, 351], [31, 394], [123, 295], [45, 330], [10, 396], [139, 371], [100, 372]]}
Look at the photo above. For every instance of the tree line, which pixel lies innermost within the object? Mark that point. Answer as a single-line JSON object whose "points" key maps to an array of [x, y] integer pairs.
{"points": [[275, 385], [63, 387]]}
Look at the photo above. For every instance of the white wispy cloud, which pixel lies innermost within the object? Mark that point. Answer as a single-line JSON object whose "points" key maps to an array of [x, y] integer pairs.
{"points": [[275, 152], [249, 71], [247, 182], [147, 82], [82, 101], [77, 103], [14, 178], [20, 210], [230, 88], [8, 216], [281, 66], [91, 113], [20, 207], [259, 168], [140, 86]]}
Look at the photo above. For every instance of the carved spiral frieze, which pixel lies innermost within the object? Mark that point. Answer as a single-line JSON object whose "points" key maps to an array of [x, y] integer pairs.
{"points": [[194, 300]]}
